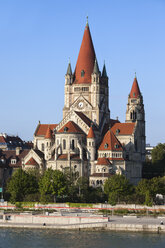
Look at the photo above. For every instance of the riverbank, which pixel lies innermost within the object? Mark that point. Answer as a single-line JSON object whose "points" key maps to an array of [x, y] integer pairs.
{"points": [[114, 223]]}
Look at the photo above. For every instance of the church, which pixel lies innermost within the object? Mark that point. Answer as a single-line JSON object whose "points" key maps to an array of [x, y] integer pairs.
{"points": [[87, 141]]}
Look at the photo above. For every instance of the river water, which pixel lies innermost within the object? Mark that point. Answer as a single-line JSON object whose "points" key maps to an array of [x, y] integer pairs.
{"points": [[36, 238]]}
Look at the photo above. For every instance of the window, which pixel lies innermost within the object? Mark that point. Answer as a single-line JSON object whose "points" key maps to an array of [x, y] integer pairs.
{"points": [[57, 142], [76, 89], [65, 129], [106, 145], [117, 131], [13, 161], [89, 143], [82, 73], [64, 144], [72, 145], [133, 115], [42, 147]]}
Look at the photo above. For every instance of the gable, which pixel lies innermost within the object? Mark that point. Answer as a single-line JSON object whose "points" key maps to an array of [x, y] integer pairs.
{"points": [[80, 104]]}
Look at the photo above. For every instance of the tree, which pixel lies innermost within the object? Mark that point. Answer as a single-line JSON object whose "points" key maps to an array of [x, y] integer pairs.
{"points": [[21, 184], [82, 186], [148, 189], [155, 168], [117, 188], [158, 153], [54, 183]]}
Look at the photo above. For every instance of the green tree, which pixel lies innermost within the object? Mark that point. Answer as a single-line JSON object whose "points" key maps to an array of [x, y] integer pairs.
{"points": [[147, 189], [82, 186], [158, 153], [54, 183], [117, 189], [156, 167], [21, 184]]}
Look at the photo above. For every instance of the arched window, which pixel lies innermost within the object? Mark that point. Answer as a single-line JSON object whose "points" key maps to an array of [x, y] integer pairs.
{"points": [[42, 147], [72, 145], [134, 117], [131, 116], [64, 144]]}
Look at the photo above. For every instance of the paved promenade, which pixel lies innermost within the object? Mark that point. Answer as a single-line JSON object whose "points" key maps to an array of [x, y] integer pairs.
{"points": [[115, 223]]}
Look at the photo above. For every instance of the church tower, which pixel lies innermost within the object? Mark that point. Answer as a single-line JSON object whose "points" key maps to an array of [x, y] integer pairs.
{"points": [[86, 90], [135, 113]]}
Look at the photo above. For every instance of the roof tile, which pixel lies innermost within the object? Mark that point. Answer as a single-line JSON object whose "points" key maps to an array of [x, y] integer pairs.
{"points": [[91, 133], [48, 134], [110, 143], [135, 91], [86, 59], [123, 128], [70, 127], [103, 161], [42, 128], [31, 161]]}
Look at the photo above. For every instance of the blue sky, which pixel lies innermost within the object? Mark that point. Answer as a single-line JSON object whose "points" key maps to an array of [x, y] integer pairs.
{"points": [[37, 37]]}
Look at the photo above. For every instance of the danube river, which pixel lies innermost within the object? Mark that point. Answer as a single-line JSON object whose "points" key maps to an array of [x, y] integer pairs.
{"points": [[25, 238]]}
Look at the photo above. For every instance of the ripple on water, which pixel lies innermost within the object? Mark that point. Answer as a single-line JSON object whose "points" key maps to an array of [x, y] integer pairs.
{"points": [[26, 238]]}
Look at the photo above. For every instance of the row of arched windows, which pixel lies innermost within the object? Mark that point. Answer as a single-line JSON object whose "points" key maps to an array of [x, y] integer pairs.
{"points": [[72, 144], [133, 115]]}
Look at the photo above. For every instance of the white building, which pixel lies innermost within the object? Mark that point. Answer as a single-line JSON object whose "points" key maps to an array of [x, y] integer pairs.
{"points": [[87, 140]]}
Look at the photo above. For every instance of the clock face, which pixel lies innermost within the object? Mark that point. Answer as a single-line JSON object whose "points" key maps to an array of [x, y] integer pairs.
{"points": [[81, 104]]}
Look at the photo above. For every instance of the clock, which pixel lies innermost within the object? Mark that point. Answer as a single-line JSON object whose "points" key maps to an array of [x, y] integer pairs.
{"points": [[81, 104]]}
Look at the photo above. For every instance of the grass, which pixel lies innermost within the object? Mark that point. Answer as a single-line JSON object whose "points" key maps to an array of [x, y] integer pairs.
{"points": [[79, 205]]}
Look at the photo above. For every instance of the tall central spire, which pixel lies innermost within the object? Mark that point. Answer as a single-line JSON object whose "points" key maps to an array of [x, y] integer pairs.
{"points": [[135, 91], [86, 59]]}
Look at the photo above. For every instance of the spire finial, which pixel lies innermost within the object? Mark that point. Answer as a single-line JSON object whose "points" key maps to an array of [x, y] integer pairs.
{"points": [[135, 74], [96, 67], [87, 21], [104, 72], [69, 69]]}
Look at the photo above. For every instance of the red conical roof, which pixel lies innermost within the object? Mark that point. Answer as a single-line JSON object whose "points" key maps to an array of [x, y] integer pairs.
{"points": [[135, 91], [48, 134], [86, 59], [91, 133]]}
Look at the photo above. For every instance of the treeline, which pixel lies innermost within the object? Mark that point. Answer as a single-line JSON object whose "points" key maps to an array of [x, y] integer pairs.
{"points": [[55, 186], [155, 167]]}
